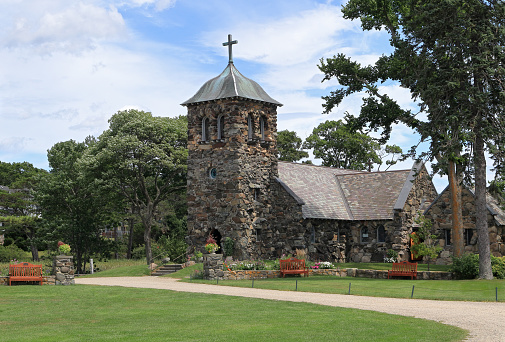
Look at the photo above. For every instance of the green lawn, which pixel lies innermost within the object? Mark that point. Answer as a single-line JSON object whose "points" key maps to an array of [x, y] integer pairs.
{"points": [[465, 290], [95, 313]]}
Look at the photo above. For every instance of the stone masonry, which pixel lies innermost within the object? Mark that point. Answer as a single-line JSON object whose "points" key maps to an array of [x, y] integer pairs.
{"points": [[229, 180]]}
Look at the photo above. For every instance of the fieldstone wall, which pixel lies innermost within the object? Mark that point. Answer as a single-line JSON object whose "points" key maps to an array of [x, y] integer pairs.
{"points": [[47, 280], [213, 266], [350, 272], [63, 270], [229, 179], [440, 214]]}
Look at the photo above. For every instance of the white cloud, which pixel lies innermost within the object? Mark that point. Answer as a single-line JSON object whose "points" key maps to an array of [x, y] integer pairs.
{"points": [[71, 26], [290, 40]]}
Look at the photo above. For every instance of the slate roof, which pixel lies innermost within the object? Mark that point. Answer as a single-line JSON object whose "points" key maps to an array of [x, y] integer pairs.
{"points": [[229, 84], [339, 194], [373, 195]]}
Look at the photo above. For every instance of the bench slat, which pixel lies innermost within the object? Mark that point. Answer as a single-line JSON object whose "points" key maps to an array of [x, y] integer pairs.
{"points": [[293, 266], [25, 272], [403, 269]]}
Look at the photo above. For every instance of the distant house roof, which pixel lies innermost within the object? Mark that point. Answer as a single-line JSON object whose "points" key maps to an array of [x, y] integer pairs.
{"points": [[230, 84], [339, 194]]}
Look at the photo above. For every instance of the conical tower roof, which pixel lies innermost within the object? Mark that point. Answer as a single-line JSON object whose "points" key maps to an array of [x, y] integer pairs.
{"points": [[230, 84]]}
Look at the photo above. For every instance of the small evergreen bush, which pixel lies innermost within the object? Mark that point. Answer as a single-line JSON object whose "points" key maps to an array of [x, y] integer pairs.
{"points": [[11, 252], [228, 246], [467, 267]]}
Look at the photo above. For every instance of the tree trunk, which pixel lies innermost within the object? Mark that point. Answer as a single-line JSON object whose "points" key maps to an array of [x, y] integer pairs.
{"points": [[147, 241], [35, 252], [485, 271], [457, 216], [130, 239]]}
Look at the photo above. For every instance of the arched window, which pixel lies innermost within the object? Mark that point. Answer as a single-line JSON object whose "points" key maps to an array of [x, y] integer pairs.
{"points": [[364, 235], [381, 233], [262, 128], [205, 129], [250, 127], [220, 127]]}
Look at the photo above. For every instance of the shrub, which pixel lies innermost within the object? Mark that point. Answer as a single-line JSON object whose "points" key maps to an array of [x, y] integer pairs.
{"points": [[498, 266], [139, 252], [228, 246], [467, 267], [11, 252]]}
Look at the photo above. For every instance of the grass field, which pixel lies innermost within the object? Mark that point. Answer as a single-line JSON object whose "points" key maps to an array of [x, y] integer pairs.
{"points": [[95, 313], [465, 290]]}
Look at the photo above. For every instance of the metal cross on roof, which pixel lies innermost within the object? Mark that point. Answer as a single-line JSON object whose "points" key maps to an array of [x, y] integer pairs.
{"points": [[229, 43]]}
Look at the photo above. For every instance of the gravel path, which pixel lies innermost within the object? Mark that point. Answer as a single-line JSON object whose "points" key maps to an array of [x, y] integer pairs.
{"points": [[485, 321]]}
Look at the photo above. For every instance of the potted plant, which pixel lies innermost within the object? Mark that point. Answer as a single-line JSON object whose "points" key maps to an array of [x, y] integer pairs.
{"points": [[63, 248], [211, 245]]}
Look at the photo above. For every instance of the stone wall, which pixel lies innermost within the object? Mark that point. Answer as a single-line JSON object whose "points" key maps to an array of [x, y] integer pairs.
{"points": [[47, 280], [350, 272], [63, 270], [213, 266], [440, 214]]}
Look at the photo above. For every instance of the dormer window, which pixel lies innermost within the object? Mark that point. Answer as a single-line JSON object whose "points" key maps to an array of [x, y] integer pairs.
{"points": [[205, 129], [220, 127]]}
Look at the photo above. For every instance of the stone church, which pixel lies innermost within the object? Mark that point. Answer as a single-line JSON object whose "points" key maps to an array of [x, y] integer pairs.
{"points": [[237, 188]]}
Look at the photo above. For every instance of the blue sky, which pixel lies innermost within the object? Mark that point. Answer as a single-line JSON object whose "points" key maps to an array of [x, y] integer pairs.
{"points": [[68, 66]]}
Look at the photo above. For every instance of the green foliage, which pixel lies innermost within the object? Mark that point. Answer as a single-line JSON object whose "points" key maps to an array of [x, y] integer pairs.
{"points": [[173, 248], [11, 252], [143, 159], [289, 146], [425, 240], [139, 252], [391, 256], [341, 147], [467, 266], [228, 246], [498, 267], [75, 207], [19, 175]]}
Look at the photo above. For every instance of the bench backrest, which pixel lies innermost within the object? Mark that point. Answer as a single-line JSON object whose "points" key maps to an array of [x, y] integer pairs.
{"points": [[405, 266], [25, 269], [292, 264]]}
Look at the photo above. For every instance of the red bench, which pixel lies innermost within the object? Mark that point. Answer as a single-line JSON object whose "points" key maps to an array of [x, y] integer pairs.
{"points": [[293, 266], [25, 272], [403, 269]]}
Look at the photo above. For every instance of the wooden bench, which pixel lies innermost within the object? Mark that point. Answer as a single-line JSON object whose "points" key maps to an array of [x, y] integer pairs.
{"points": [[25, 272], [403, 269], [293, 266]]}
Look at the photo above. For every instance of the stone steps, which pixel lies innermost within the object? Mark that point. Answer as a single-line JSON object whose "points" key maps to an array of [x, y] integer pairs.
{"points": [[166, 269]]}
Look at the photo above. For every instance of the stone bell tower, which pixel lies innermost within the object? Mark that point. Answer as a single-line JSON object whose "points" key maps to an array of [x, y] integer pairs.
{"points": [[232, 128]]}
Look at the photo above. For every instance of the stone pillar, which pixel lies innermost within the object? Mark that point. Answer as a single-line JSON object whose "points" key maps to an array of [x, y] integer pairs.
{"points": [[213, 266], [63, 269]]}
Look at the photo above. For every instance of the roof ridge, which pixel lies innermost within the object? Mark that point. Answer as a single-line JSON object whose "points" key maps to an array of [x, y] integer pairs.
{"points": [[346, 203]]}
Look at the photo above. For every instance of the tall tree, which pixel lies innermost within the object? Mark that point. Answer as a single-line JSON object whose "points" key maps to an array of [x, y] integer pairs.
{"points": [[450, 54], [340, 146], [76, 209], [289, 146], [17, 206], [145, 159]]}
